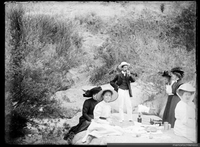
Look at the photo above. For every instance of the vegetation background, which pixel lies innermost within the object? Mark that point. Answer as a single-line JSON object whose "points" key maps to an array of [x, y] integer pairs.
{"points": [[53, 46]]}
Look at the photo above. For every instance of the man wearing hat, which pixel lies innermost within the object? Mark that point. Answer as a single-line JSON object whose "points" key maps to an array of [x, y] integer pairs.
{"points": [[121, 84], [87, 113], [176, 74]]}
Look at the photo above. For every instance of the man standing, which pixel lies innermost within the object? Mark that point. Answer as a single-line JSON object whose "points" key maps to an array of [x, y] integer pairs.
{"points": [[121, 84]]}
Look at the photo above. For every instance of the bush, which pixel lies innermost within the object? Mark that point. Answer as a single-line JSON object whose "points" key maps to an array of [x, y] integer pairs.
{"points": [[41, 51], [149, 49]]}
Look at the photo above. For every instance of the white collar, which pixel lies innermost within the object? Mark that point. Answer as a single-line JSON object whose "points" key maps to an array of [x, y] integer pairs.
{"points": [[124, 73]]}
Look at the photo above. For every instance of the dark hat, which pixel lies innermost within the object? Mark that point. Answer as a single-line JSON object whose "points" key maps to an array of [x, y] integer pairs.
{"points": [[178, 71], [89, 93], [114, 94]]}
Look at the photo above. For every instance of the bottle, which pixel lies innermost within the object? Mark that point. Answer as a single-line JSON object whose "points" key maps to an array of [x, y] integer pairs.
{"points": [[139, 119]]}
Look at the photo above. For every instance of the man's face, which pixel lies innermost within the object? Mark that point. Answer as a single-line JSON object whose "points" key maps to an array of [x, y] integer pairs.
{"points": [[125, 68]]}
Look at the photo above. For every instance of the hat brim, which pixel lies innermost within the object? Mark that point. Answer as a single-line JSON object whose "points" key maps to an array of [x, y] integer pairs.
{"points": [[89, 93], [187, 88], [113, 98], [178, 72], [120, 66]]}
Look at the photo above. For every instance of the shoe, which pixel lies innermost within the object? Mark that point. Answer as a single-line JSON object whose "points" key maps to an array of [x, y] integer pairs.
{"points": [[89, 139]]}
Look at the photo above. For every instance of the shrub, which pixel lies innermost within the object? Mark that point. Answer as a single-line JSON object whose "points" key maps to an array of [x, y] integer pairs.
{"points": [[41, 53]]}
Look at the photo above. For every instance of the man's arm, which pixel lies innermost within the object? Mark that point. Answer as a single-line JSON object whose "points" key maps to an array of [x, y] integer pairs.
{"points": [[113, 83], [131, 78], [85, 110]]}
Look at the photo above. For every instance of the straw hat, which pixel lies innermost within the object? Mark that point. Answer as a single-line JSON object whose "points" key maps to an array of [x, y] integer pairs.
{"points": [[122, 64], [114, 94]]}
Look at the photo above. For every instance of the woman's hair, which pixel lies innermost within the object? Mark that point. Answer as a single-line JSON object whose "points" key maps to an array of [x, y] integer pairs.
{"points": [[106, 91], [180, 92]]}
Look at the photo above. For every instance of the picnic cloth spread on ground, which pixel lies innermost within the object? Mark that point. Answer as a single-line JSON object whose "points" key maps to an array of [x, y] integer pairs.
{"points": [[135, 132]]}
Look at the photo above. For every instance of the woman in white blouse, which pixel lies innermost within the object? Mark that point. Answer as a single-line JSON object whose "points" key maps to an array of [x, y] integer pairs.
{"points": [[102, 125], [185, 124]]}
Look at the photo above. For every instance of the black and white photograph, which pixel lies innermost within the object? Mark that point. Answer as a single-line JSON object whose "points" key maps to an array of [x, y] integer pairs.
{"points": [[101, 72]]}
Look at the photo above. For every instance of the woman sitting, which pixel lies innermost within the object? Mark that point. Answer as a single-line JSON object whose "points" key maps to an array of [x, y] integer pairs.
{"points": [[102, 125], [185, 124], [87, 113]]}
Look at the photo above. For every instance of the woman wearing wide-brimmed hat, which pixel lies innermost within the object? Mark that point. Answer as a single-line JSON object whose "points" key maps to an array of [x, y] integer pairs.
{"points": [[185, 124], [176, 74], [101, 125], [87, 113]]}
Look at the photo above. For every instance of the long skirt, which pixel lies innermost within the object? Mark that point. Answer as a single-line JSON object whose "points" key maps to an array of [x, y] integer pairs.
{"points": [[166, 111], [169, 113], [102, 129], [81, 126]]}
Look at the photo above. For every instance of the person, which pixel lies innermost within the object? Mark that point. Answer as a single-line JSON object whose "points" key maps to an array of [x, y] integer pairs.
{"points": [[121, 84], [174, 82], [102, 125], [87, 113], [185, 124]]}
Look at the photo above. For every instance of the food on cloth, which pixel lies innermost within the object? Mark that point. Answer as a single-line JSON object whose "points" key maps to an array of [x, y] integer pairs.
{"points": [[151, 129]]}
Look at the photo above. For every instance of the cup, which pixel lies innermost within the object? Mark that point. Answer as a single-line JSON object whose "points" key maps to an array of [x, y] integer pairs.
{"points": [[150, 136], [169, 126], [166, 125]]}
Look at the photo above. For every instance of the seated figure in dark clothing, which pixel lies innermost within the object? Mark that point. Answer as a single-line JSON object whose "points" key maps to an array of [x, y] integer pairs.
{"points": [[87, 113]]}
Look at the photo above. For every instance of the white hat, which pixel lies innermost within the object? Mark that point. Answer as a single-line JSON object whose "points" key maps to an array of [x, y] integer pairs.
{"points": [[122, 64], [114, 94], [186, 87]]}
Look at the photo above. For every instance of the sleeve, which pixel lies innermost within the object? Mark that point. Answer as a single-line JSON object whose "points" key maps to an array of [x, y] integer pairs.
{"points": [[85, 110], [180, 113], [113, 83], [131, 78], [168, 89], [97, 111]]}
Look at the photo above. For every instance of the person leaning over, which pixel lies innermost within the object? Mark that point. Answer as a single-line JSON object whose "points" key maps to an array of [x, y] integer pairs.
{"points": [[102, 124], [121, 84]]}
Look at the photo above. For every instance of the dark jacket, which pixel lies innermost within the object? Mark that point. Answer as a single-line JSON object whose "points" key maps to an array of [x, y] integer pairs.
{"points": [[117, 81], [88, 108]]}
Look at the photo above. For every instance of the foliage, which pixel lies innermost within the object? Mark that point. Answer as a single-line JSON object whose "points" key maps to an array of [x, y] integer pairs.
{"points": [[41, 52], [150, 43], [41, 49]]}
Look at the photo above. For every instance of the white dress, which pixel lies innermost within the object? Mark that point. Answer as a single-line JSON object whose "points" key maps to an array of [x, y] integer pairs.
{"points": [[101, 127], [185, 124]]}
